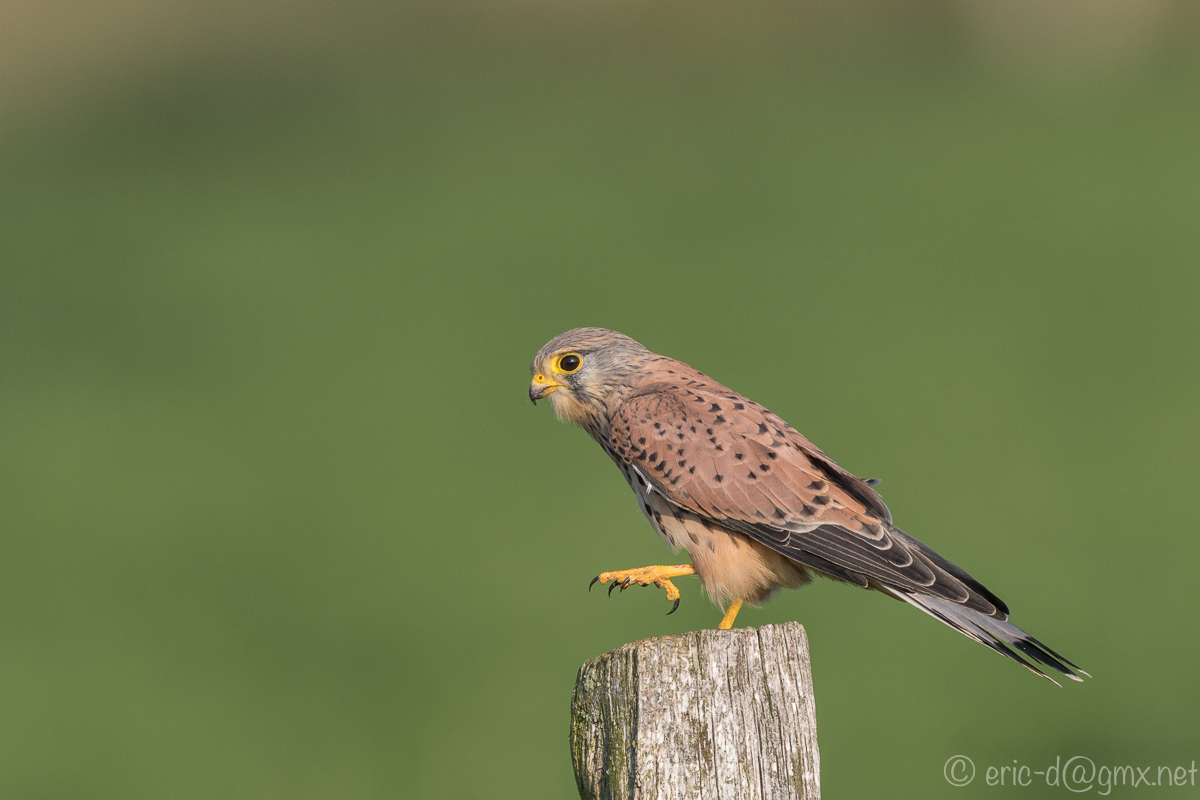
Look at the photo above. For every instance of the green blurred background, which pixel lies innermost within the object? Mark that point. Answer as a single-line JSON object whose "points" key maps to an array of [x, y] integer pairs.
{"points": [[279, 521]]}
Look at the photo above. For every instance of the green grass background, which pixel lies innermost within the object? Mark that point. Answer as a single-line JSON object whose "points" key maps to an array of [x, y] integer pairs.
{"points": [[279, 521]]}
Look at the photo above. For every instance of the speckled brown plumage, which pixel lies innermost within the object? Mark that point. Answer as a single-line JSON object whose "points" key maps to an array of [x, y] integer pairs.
{"points": [[755, 504]]}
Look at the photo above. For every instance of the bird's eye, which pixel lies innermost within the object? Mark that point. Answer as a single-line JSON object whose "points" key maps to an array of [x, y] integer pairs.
{"points": [[569, 363]]}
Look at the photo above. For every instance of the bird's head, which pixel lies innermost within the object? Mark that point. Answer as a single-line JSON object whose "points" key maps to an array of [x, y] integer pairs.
{"points": [[586, 372]]}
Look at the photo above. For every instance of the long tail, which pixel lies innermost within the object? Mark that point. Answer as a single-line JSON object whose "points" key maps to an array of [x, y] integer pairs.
{"points": [[998, 634]]}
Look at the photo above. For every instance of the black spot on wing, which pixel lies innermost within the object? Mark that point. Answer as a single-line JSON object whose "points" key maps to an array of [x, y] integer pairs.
{"points": [[853, 487]]}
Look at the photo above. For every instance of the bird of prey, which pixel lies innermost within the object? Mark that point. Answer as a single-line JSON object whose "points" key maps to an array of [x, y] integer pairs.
{"points": [[755, 504]]}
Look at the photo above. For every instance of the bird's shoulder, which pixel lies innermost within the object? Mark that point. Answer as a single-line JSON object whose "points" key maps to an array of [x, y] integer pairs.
{"points": [[717, 452]]}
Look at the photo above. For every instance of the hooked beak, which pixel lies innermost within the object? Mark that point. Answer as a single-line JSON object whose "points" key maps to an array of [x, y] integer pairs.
{"points": [[542, 386]]}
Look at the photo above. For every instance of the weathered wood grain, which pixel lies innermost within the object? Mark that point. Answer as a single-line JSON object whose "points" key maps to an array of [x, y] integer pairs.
{"points": [[719, 715]]}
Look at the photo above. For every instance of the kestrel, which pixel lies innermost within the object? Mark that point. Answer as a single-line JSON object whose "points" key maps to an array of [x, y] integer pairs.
{"points": [[755, 504]]}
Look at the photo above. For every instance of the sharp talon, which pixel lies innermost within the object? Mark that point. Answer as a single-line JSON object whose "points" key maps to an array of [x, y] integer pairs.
{"points": [[611, 586], [672, 611], [593, 583], [625, 583]]}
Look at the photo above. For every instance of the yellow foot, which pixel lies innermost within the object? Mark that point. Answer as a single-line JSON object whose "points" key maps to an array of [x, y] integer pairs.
{"points": [[730, 614], [660, 576]]}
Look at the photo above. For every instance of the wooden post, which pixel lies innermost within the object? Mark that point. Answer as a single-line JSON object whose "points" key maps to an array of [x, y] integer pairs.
{"points": [[720, 715]]}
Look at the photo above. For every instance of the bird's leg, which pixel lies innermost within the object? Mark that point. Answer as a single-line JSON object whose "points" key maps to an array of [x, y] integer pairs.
{"points": [[730, 614], [658, 575]]}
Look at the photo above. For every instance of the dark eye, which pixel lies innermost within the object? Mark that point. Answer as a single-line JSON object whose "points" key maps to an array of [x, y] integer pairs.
{"points": [[569, 363]]}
